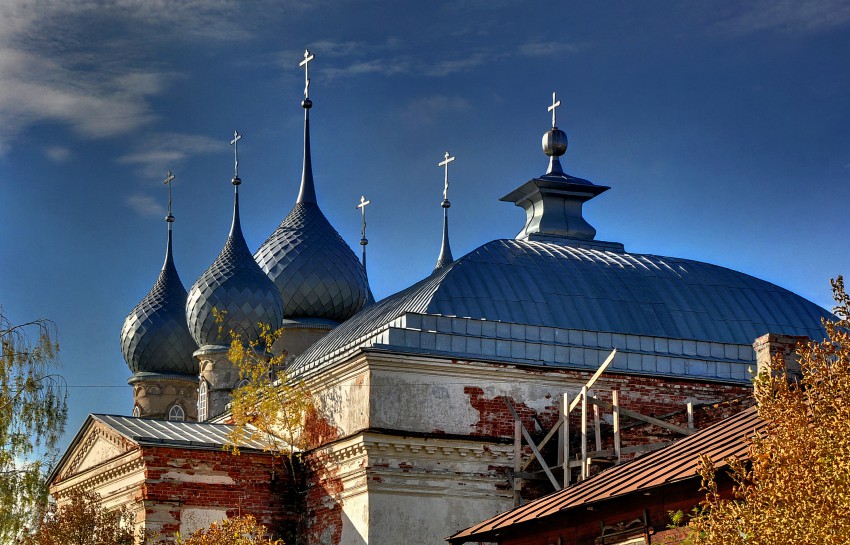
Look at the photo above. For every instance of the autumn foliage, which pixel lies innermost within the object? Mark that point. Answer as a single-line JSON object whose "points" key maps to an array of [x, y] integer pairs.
{"points": [[235, 531], [82, 520], [795, 487], [268, 406]]}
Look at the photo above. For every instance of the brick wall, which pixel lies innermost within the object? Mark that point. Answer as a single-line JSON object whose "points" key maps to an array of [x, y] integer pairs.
{"points": [[258, 484]]}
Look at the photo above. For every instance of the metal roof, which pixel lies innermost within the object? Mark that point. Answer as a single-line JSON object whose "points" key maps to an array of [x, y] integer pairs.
{"points": [[237, 287], [150, 432], [572, 285], [673, 463], [155, 337], [315, 271]]}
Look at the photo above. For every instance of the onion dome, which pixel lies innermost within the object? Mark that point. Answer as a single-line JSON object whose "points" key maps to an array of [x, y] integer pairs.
{"points": [[316, 272], [234, 285], [155, 337]]}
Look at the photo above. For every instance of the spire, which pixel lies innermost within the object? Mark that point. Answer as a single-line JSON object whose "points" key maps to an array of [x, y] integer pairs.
{"points": [[370, 299], [307, 193], [169, 219], [553, 202], [445, 258], [236, 227], [363, 240]]}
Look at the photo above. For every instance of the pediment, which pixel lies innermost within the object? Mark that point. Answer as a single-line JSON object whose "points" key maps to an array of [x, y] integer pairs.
{"points": [[99, 444]]}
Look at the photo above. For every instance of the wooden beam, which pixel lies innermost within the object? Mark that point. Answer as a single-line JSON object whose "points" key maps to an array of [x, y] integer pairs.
{"points": [[566, 446], [530, 442], [615, 413], [642, 417], [583, 432], [573, 405], [517, 484]]}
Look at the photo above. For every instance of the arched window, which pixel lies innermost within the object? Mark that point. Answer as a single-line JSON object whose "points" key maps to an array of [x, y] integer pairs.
{"points": [[177, 413], [137, 412], [202, 401], [243, 382]]}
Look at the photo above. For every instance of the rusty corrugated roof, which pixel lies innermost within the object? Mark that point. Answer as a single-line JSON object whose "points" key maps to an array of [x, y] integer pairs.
{"points": [[672, 463]]}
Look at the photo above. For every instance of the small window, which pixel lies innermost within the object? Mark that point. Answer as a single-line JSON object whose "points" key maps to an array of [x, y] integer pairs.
{"points": [[242, 383], [176, 413], [202, 401], [137, 412]]}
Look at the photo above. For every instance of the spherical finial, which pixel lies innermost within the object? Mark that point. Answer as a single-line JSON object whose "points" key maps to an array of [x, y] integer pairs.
{"points": [[555, 142], [236, 180], [446, 203], [169, 218], [306, 103]]}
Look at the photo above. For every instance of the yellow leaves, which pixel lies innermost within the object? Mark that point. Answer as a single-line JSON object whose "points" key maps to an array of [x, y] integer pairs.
{"points": [[235, 531], [795, 488], [269, 406]]}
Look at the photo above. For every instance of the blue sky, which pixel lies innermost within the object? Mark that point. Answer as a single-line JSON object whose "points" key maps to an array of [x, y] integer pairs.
{"points": [[723, 128]]}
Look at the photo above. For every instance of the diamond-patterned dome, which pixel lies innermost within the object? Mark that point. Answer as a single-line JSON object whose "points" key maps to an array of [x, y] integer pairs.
{"points": [[233, 284], [315, 271], [155, 337]]}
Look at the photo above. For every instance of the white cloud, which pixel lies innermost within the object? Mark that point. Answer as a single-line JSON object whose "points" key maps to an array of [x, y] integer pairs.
{"points": [[158, 152], [92, 65], [547, 49], [145, 206], [57, 154], [799, 16], [427, 110]]}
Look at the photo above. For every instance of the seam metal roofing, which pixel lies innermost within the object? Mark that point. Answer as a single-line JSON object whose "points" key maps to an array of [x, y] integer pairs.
{"points": [[673, 463], [574, 287]]}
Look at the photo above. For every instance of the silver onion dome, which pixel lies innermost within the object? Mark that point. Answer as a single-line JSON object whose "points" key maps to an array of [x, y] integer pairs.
{"points": [[316, 272], [155, 337], [234, 285]]}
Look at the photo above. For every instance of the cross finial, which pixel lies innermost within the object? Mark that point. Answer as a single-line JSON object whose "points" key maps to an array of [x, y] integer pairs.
{"points": [[236, 138], [555, 104], [307, 58], [363, 240], [168, 179], [445, 163]]}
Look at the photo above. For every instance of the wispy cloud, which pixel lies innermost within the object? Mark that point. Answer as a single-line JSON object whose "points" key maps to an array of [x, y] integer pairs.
{"points": [[57, 154], [548, 49], [93, 66], [145, 205], [158, 152], [798, 16], [427, 110]]}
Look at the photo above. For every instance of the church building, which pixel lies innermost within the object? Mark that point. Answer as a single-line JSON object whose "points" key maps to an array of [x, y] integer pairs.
{"points": [[417, 395]]}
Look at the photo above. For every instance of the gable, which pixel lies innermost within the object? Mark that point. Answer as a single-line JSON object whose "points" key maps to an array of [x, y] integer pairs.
{"points": [[96, 444]]}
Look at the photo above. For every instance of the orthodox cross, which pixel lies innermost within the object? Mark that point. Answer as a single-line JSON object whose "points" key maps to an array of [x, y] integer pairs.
{"points": [[362, 207], [168, 179], [551, 108], [445, 163], [236, 138], [307, 58]]}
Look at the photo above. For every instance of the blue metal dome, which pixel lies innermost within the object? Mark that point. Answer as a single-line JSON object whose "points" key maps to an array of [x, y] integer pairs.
{"points": [[316, 272], [574, 286], [235, 285], [155, 337]]}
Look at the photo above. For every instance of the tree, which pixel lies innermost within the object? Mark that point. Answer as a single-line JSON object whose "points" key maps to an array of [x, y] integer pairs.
{"points": [[236, 531], [269, 406], [32, 418], [82, 520], [795, 485]]}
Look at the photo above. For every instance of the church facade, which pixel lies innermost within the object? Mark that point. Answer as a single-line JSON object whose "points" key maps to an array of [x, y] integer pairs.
{"points": [[418, 395]]}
